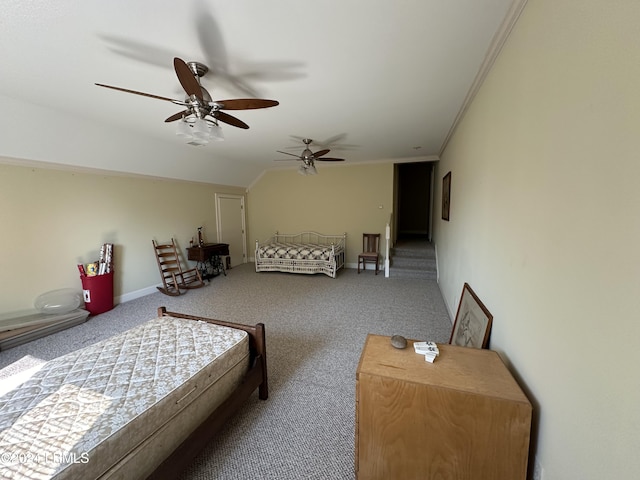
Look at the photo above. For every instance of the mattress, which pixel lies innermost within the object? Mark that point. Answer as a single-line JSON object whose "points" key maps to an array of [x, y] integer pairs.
{"points": [[81, 414], [294, 251]]}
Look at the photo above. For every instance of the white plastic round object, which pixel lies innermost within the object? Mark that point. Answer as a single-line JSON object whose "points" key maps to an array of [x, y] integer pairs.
{"points": [[58, 301]]}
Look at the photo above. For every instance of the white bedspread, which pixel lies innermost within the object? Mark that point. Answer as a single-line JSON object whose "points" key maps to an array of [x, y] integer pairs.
{"points": [[61, 415]]}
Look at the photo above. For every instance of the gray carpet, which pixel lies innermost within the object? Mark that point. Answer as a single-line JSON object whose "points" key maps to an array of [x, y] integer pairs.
{"points": [[316, 327]]}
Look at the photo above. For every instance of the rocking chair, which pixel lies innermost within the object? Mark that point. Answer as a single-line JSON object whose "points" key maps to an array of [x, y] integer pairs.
{"points": [[173, 277]]}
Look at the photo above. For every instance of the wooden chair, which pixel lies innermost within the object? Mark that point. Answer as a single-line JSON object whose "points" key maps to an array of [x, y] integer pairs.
{"points": [[173, 277], [370, 251]]}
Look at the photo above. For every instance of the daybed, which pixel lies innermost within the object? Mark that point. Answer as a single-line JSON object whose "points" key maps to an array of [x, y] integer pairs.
{"points": [[306, 252], [137, 405]]}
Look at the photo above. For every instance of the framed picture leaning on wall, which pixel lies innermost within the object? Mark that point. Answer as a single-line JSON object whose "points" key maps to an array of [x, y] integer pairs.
{"points": [[472, 325]]}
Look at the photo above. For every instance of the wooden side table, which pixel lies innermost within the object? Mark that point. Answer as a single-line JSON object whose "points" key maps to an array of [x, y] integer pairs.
{"points": [[461, 417]]}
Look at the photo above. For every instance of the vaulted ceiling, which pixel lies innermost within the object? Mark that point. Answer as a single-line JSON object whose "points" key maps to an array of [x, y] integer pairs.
{"points": [[369, 79]]}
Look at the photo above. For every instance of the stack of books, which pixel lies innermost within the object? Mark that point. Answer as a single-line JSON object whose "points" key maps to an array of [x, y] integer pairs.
{"points": [[428, 349]]}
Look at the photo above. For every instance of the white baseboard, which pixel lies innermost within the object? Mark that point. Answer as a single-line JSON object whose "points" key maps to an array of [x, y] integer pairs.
{"points": [[137, 294]]}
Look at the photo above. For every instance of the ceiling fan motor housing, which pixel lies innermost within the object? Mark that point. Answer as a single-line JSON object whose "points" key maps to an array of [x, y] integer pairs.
{"points": [[198, 69]]}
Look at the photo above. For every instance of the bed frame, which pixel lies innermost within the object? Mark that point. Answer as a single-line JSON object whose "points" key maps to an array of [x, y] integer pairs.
{"points": [[256, 377], [176, 434], [280, 245]]}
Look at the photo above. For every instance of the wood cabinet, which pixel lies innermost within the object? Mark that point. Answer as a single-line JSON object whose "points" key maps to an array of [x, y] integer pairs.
{"points": [[461, 417]]}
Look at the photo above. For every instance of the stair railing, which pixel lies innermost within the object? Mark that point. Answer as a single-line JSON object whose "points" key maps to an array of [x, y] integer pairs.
{"points": [[387, 236]]}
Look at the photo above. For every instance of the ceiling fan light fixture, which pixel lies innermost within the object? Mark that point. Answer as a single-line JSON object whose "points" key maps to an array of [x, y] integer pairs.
{"points": [[201, 130], [197, 142], [198, 131], [309, 158], [216, 133], [183, 129]]}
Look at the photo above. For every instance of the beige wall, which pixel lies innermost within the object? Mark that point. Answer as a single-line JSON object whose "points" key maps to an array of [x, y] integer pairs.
{"points": [[344, 198], [51, 220], [545, 226]]}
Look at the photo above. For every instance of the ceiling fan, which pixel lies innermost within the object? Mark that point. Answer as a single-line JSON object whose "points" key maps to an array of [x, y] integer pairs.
{"points": [[200, 118], [309, 158]]}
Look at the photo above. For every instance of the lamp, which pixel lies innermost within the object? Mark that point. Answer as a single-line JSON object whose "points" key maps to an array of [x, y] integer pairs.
{"points": [[198, 131], [307, 168], [183, 129], [216, 133]]}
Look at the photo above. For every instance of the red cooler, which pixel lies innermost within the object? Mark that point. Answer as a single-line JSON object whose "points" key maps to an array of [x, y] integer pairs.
{"points": [[98, 293]]}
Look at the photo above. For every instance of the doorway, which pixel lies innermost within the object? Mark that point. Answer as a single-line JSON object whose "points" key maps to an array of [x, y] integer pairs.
{"points": [[230, 225], [413, 196]]}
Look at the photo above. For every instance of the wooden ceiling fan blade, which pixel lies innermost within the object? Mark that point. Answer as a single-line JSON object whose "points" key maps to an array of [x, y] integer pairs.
{"points": [[319, 153], [187, 78], [177, 116], [287, 153], [326, 159], [139, 93], [226, 118], [245, 104]]}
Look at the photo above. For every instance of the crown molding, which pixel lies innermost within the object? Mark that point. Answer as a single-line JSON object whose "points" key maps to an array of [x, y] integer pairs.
{"points": [[498, 41]]}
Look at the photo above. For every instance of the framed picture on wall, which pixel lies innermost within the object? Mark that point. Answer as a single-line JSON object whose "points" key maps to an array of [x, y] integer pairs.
{"points": [[446, 196], [472, 325]]}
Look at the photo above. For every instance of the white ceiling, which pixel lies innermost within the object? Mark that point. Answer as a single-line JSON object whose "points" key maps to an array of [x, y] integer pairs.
{"points": [[377, 79]]}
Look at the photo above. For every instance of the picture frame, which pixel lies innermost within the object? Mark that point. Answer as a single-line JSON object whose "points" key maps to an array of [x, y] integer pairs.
{"points": [[472, 325], [446, 196]]}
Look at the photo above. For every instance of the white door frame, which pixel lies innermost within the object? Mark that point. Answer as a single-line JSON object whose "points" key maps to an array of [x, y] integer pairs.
{"points": [[219, 227]]}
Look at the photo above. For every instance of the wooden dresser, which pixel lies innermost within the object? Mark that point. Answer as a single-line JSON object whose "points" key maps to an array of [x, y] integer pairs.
{"points": [[461, 417]]}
